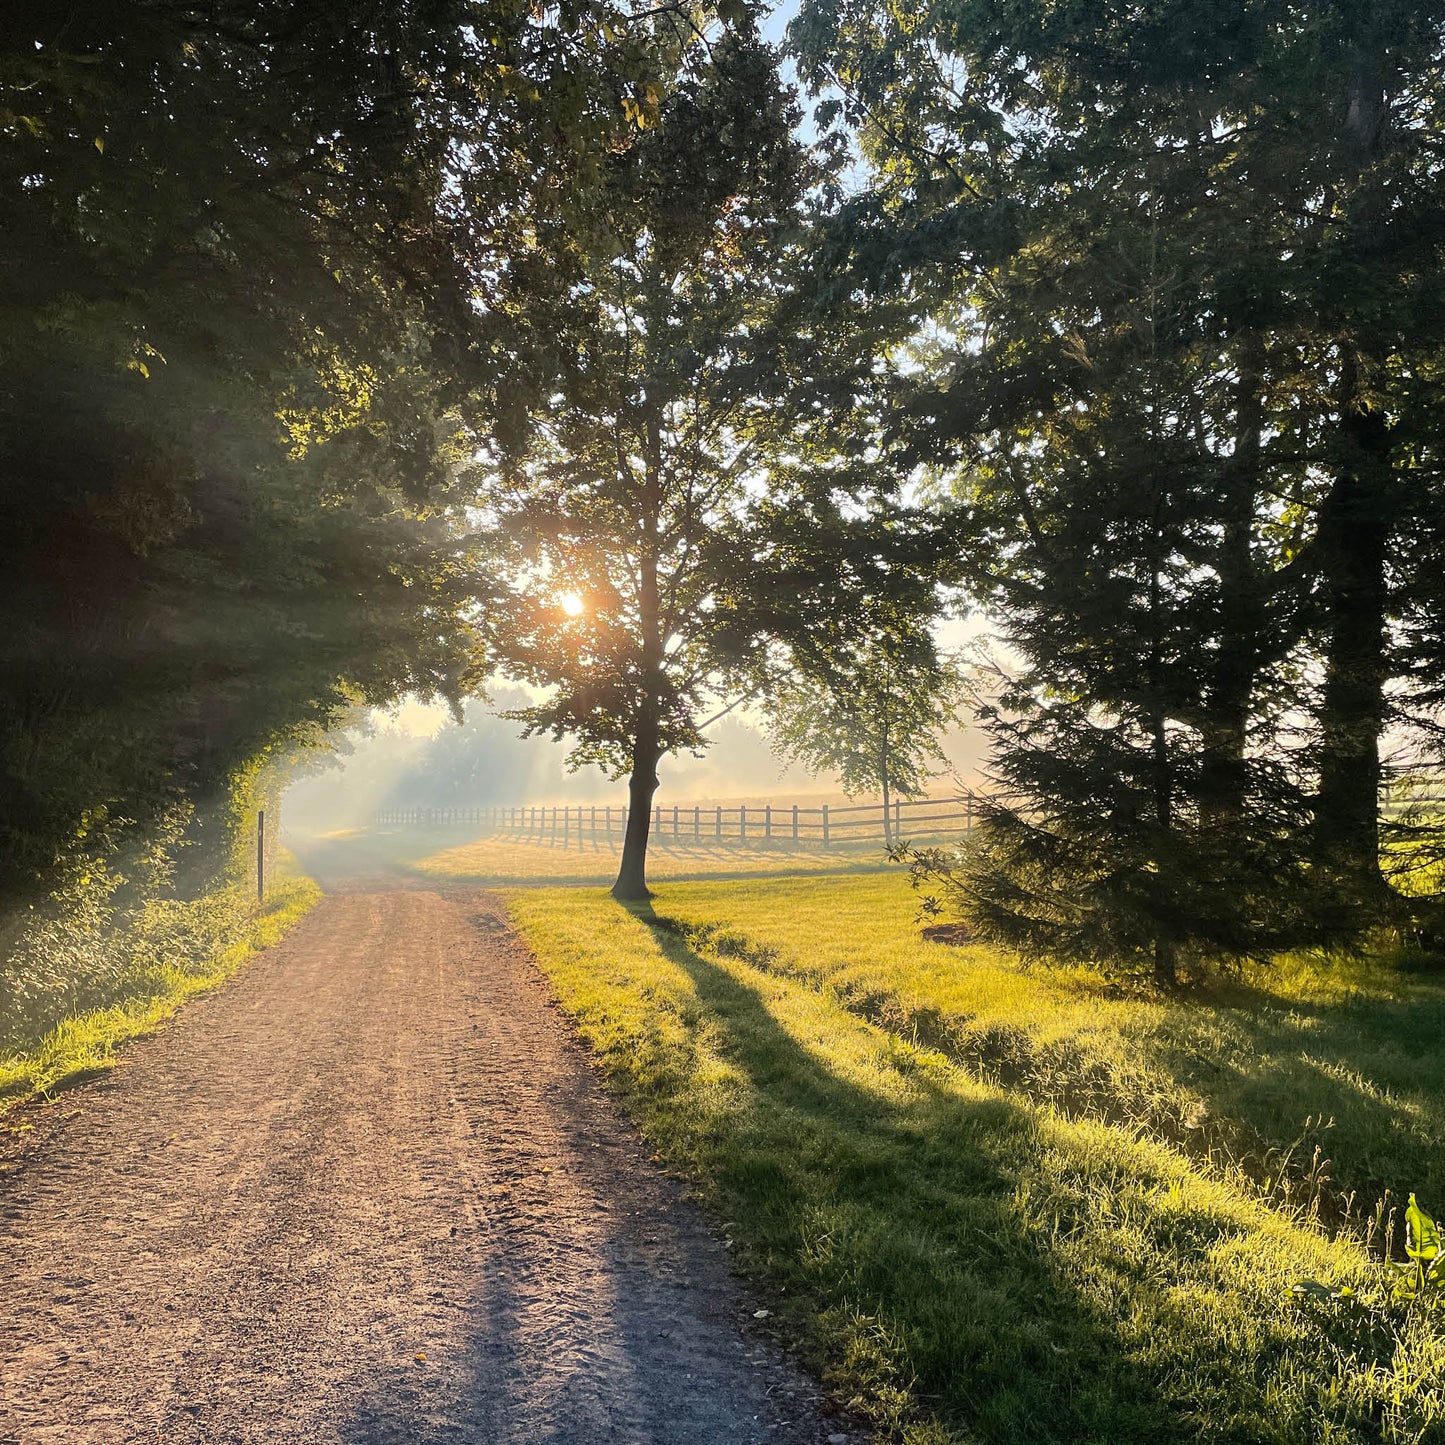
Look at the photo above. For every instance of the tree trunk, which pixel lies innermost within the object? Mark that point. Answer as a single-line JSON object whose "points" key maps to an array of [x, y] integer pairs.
{"points": [[883, 772], [1166, 966], [1166, 972], [1223, 772], [1356, 526], [631, 885]]}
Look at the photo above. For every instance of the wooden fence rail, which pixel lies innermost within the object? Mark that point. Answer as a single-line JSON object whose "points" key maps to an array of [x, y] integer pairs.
{"points": [[692, 823]]}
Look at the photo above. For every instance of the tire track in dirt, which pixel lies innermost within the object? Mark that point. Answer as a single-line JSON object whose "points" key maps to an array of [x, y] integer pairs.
{"points": [[378, 1143]]}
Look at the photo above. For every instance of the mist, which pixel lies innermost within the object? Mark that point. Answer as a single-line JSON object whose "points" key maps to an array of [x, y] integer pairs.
{"points": [[418, 757]]}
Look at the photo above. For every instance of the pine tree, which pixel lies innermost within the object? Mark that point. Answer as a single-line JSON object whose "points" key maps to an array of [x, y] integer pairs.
{"points": [[1154, 242]]}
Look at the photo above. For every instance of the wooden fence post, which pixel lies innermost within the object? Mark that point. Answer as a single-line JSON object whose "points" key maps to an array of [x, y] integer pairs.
{"points": [[825, 825], [719, 821], [742, 822], [696, 823], [795, 822]]}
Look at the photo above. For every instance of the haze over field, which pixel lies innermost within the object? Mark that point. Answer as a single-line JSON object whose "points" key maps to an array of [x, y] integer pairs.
{"points": [[417, 756]]}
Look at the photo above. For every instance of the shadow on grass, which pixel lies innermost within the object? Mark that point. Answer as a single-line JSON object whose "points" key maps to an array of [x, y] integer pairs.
{"points": [[1369, 1064], [1358, 1077], [903, 1220]]}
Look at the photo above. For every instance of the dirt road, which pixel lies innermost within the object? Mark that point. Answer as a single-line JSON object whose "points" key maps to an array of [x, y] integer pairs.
{"points": [[368, 1193]]}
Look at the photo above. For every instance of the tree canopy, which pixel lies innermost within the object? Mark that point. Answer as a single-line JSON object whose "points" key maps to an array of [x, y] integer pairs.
{"points": [[238, 310]]}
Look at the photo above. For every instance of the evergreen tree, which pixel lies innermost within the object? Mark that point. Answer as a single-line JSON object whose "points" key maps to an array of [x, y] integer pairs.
{"points": [[1176, 302]]}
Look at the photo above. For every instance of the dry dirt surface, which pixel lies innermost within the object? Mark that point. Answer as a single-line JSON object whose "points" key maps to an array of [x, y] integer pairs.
{"points": [[370, 1193]]}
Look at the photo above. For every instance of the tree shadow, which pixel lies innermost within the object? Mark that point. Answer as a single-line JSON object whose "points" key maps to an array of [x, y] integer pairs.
{"points": [[1369, 1064], [903, 1215]]}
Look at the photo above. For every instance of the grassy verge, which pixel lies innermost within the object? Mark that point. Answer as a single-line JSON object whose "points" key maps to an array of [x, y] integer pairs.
{"points": [[1013, 1206], [143, 996]]}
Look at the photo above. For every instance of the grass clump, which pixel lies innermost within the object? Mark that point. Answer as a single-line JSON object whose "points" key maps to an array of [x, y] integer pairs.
{"points": [[1007, 1206], [169, 952]]}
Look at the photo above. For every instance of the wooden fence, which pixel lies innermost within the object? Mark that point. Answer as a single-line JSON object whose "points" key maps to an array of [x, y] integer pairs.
{"points": [[924, 818]]}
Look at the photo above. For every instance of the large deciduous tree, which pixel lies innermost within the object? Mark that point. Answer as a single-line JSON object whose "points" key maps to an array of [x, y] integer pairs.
{"points": [[663, 532], [631, 504]]}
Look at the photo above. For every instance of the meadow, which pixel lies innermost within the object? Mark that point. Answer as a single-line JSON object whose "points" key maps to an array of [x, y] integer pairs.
{"points": [[457, 855], [998, 1204]]}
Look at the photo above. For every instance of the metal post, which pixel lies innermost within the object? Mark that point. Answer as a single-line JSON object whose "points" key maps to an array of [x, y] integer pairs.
{"points": [[261, 856]]}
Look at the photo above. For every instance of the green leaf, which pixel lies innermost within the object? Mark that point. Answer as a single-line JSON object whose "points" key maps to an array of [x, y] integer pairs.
{"points": [[1422, 1236]]}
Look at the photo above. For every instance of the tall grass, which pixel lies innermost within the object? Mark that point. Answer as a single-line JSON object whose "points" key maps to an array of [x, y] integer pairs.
{"points": [[1012, 1206], [117, 980]]}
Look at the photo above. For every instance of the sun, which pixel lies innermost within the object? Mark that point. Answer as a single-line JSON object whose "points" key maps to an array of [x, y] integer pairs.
{"points": [[572, 604]]}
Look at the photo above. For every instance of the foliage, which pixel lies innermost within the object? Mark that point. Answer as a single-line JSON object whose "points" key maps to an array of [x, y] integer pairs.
{"points": [[1178, 373], [870, 708], [125, 929], [241, 304], [1421, 1278]]}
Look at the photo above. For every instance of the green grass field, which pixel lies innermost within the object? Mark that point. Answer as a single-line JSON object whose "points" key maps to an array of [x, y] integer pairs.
{"points": [[458, 856], [1013, 1206]]}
